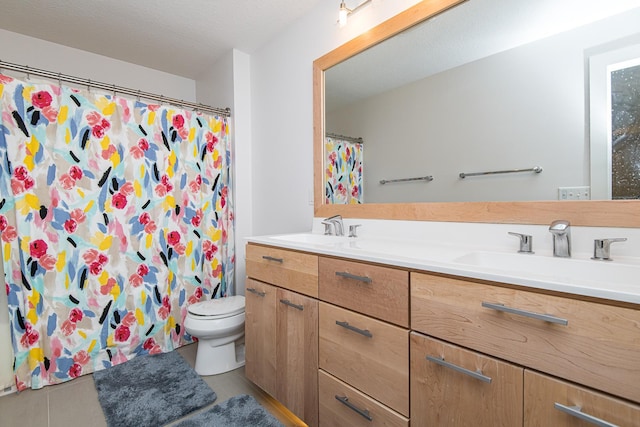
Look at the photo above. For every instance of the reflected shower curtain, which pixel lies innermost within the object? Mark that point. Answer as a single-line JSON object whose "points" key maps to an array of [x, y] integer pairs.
{"points": [[343, 171], [114, 216]]}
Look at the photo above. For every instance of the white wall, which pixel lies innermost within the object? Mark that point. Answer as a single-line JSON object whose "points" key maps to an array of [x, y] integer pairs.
{"points": [[282, 111], [227, 84], [37, 53], [243, 161]]}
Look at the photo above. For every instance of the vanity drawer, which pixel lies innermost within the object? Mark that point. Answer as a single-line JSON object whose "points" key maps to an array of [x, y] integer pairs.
{"points": [[371, 355], [598, 346], [342, 405], [542, 394], [291, 270], [381, 292]]}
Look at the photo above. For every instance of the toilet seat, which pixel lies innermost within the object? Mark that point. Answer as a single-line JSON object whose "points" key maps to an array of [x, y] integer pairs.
{"points": [[219, 308]]}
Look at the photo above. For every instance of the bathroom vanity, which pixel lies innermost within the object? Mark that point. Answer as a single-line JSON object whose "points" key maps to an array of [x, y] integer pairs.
{"points": [[403, 333]]}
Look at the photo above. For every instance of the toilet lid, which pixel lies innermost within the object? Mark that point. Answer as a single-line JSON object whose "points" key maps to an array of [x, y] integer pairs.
{"points": [[220, 307]]}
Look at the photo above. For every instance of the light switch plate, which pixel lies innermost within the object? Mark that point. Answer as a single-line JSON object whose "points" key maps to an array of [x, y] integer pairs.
{"points": [[574, 193]]}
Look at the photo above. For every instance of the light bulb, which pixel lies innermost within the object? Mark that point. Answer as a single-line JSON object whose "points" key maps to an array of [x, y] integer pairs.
{"points": [[342, 15]]}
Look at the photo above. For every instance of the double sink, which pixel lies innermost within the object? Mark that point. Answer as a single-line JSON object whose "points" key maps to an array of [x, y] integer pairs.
{"points": [[617, 280]]}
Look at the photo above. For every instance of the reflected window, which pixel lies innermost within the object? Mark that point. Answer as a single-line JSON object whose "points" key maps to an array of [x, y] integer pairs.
{"points": [[625, 130]]}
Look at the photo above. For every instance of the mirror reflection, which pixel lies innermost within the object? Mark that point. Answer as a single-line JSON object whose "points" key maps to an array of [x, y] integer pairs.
{"points": [[500, 92]]}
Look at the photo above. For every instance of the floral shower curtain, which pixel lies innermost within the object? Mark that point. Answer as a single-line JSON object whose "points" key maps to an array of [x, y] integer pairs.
{"points": [[343, 171], [114, 216]]}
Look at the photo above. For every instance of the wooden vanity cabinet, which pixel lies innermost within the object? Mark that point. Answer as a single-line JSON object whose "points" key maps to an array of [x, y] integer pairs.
{"points": [[366, 353], [373, 290], [297, 354], [590, 343], [364, 343], [293, 270], [347, 343], [260, 334], [553, 402], [452, 386], [573, 352], [281, 329], [343, 405]]}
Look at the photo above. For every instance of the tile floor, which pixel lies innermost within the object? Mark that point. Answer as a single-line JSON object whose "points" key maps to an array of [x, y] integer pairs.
{"points": [[75, 403]]}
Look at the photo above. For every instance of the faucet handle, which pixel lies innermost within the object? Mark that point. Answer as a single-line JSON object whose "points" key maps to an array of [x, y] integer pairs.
{"points": [[559, 226], [602, 248], [353, 230], [526, 242], [328, 227]]}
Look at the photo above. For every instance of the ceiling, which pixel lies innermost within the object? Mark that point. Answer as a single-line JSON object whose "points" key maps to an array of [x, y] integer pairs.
{"points": [[179, 37], [470, 31]]}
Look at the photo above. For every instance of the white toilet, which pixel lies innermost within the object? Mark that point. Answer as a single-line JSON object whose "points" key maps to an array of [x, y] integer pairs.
{"points": [[219, 326]]}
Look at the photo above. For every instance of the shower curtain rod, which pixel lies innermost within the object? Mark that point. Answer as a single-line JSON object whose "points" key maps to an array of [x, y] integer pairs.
{"points": [[226, 112], [357, 140]]}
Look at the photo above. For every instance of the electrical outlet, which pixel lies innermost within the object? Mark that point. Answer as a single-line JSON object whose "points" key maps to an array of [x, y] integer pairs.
{"points": [[574, 193]]}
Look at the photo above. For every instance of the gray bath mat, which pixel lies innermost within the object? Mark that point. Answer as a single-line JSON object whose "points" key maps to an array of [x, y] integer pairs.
{"points": [[150, 390], [239, 411]]}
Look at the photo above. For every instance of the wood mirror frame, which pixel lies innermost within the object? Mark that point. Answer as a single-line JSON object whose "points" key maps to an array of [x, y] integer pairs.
{"points": [[601, 213]]}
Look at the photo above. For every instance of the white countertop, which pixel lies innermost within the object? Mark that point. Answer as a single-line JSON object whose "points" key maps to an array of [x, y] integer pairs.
{"points": [[617, 280]]}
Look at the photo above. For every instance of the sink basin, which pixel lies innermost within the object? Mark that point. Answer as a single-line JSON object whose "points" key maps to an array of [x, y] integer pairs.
{"points": [[568, 270], [310, 238], [404, 248], [368, 246]]}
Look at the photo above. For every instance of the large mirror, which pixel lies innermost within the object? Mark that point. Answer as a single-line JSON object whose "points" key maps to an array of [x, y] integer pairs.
{"points": [[478, 88]]}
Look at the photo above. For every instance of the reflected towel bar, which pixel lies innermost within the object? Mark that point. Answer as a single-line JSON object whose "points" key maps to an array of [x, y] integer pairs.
{"points": [[536, 169], [420, 178]]}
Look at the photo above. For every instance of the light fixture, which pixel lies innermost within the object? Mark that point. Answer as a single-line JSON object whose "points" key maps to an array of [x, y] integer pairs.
{"points": [[344, 12]]}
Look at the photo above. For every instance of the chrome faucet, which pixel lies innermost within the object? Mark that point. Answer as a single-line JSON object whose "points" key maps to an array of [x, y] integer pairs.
{"points": [[336, 222], [561, 232]]}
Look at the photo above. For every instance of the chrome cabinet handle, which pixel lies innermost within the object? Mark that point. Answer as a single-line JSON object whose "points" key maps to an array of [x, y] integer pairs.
{"points": [[290, 304], [270, 258], [525, 313], [576, 411], [346, 325], [254, 291], [477, 375], [345, 401], [353, 276]]}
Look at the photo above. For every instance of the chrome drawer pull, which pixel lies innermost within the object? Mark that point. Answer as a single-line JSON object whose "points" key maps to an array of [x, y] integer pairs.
{"points": [[354, 277], [346, 325], [290, 304], [477, 375], [254, 291], [270, 258], [576, 411], [530, 314], [345, 401]]}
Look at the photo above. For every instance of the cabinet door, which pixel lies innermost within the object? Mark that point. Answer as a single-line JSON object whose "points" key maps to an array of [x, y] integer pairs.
{"points": [[552, 402], [260, 335], [297, 355], [452, 386]]}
